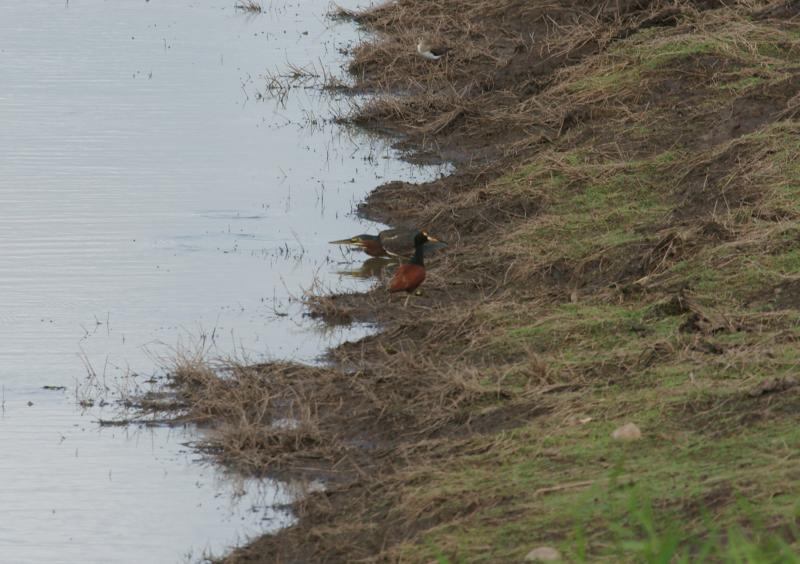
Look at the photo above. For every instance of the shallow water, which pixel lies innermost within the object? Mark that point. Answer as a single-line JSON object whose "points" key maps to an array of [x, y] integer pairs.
{"points": [[149, 199], [116, 494]]}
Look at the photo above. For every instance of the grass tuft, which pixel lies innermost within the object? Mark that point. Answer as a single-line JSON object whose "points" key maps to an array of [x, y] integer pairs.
{"points": [[250, 6]]}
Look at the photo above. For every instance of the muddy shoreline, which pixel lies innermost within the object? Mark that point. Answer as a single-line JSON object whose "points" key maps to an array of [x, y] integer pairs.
{"points": [[619, 169]]}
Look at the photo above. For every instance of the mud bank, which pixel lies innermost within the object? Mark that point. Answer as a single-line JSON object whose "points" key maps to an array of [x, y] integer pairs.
{"points": [[624, 220]]}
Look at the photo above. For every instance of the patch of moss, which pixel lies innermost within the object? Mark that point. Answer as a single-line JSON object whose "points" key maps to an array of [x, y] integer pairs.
{"points": [[661, 54], [742, 84], [596, 206]]}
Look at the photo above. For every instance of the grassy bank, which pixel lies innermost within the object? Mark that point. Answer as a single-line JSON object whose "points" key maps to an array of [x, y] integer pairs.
{"points": [[625, 232]]}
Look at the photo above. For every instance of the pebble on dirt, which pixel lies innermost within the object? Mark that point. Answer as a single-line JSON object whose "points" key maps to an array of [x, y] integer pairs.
{"points": [[543, 554], [626, 433]]}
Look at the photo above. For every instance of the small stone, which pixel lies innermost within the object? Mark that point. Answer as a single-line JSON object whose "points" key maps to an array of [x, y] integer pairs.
{"points": [[543, 554], [628, 432]]}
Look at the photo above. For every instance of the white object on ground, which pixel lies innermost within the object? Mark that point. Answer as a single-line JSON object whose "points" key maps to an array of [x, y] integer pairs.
{"points": [[628, 432]]}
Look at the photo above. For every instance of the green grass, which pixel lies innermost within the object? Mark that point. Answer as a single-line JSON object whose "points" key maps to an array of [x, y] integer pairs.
{"points": [[656, 57], [755, 54], [676, 495], [605, 211], [715, 478], [608, 326], [740, 85]]}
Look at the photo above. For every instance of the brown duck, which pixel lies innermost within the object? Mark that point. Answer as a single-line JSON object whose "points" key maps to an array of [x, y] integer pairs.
{"points": [[397, 242]]}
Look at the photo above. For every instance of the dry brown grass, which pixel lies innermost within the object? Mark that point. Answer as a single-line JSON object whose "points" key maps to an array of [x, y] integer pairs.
{"points": [[255, 417], [277, 417]]}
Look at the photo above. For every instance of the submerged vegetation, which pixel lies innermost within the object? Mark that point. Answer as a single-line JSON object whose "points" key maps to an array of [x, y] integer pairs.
{"points": [[624, 226], [252, 6]]}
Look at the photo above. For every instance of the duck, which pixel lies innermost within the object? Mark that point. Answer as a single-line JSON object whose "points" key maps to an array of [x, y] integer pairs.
{"points": [[398, 242], [409, 276]]}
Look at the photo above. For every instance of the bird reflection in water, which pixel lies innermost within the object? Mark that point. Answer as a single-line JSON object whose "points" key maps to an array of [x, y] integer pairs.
{"points": [[371, 268]]}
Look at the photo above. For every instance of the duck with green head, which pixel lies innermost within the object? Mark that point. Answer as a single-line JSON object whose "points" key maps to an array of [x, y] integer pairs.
{"points": [[408, 276]]}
